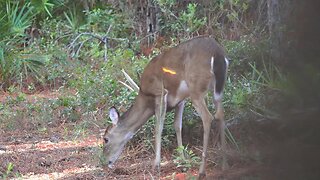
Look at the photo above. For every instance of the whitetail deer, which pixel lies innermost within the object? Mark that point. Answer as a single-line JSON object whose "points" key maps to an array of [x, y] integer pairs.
{"points": [[187, 70]]}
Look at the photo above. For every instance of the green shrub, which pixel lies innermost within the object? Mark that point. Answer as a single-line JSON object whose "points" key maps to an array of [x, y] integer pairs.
{"points": [[187, 161], [183, 25]]}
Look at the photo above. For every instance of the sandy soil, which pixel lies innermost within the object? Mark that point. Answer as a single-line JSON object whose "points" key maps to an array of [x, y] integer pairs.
{"points": [[55, 154]]}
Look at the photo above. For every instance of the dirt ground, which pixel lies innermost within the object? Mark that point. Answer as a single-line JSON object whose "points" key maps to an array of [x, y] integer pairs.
{"points": [[272, 149], [56, 154], [53, 155]]}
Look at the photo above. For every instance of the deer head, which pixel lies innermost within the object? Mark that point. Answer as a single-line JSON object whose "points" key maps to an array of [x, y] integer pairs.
{"points": [[124, 127], [114, 140]]}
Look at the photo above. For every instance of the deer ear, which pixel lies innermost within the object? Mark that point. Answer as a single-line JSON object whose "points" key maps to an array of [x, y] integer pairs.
{"points": [[114, 115]]}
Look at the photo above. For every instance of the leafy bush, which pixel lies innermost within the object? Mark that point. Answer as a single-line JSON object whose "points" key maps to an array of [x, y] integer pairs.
{"points": [[20, 62], [185, 24], [109, 21], [185, 158]]}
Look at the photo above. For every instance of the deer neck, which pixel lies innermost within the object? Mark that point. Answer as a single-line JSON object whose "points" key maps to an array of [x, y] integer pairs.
{"points": [[138, 113]]}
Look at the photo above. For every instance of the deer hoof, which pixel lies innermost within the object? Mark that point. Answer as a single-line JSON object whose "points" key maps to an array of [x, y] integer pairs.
{"points": [[202, 176], [156, 168]]}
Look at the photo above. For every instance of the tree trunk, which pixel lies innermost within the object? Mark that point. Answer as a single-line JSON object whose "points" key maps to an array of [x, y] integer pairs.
{"points": [[275, 30]]}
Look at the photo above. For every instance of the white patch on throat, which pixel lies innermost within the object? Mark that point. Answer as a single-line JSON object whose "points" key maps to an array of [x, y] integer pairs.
{"points": [[183, 87], [181, 93]]}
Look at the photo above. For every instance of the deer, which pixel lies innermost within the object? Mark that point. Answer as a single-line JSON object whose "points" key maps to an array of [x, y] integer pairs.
{"points": [[188, 70]]}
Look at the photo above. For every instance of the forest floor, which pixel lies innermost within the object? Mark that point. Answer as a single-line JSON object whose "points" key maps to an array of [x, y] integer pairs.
{"points": [[54, 153], [43, 156]]}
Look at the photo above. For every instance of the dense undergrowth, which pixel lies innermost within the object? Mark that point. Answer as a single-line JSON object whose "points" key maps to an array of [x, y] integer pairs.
{"points": [[59, 47]]}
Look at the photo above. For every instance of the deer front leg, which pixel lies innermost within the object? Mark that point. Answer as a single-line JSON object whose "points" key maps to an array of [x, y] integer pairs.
{"points": [[178, 123], [200, 106], [160, 112]]}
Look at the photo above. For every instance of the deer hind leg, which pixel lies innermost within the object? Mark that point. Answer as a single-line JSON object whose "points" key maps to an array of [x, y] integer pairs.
{"points": [[219, 116], [201, 107], [160, 112], [220, 72], [178, 123]]}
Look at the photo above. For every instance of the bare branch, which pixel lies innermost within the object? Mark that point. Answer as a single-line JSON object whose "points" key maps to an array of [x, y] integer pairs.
{"points": [[102, 39]]}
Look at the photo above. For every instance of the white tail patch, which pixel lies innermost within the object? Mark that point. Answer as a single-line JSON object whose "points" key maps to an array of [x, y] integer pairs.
{"points": [[212, 64], [227, 61]]}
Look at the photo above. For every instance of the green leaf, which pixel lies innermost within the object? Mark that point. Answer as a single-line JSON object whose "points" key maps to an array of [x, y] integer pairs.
{"points": [[18, 19], [42, 6]]}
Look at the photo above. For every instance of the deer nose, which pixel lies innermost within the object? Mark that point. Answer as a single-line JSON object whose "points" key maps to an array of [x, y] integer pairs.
{"points": [[106, 140], [110, 165]]}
